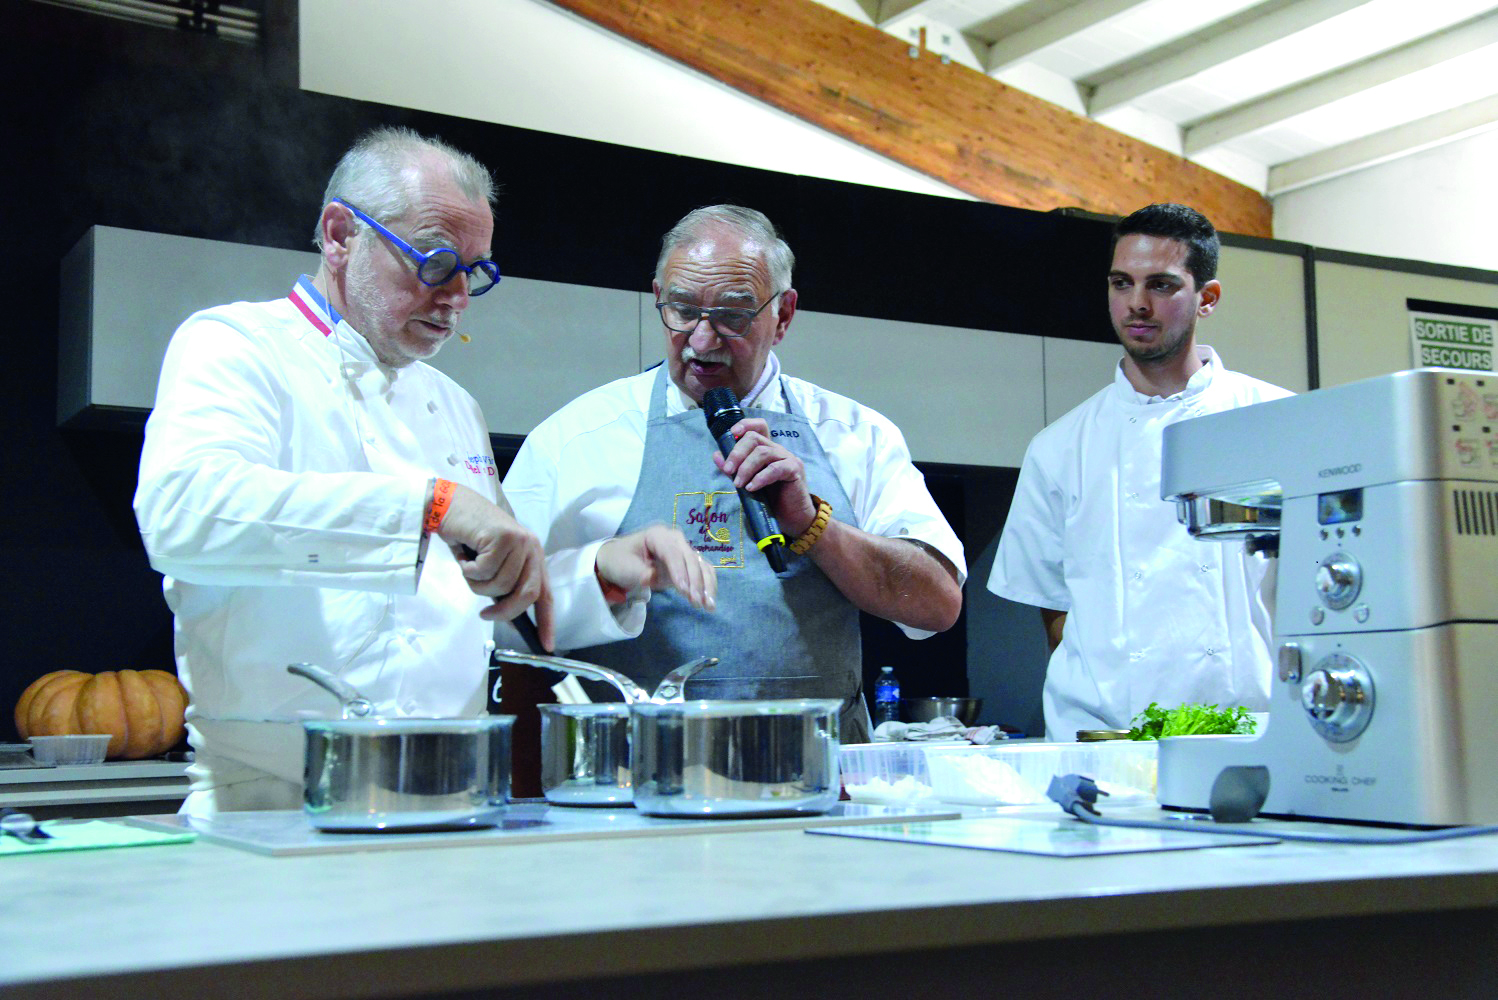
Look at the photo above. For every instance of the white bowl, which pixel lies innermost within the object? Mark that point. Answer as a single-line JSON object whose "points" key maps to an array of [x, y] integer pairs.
{"points": [[72, 749]]}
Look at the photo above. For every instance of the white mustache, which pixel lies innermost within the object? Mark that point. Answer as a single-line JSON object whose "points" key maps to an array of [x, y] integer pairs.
{"points": [[718, 357]]}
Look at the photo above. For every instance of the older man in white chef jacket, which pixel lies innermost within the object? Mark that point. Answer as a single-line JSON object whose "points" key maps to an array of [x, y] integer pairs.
{"points": [[298, 462], [1135, 609], [635, 459]]}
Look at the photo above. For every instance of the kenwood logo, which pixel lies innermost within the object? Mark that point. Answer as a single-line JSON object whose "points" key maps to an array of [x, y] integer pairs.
{"points": [[1341, 470]]}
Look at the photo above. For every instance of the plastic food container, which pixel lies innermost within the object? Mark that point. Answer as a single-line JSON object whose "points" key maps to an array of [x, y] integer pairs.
{"points": [[1006, 774], [1019, 775], [73, 749], [887, 773]]}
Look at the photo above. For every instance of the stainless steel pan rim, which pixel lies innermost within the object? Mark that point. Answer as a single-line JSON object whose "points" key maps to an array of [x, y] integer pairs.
{"points": [[407, 725], [727, 707]]}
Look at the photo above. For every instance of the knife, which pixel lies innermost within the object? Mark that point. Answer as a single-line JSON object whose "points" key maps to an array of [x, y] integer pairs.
{"points": [[21, 826]]}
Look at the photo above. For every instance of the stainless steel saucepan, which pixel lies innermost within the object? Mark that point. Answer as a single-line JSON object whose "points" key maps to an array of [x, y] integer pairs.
{"points": [[711, 758], [366, 773], [723, 758], [585, 755]]}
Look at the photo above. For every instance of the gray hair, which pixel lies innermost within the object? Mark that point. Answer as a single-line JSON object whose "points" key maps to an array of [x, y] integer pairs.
{"points": [[756, 226], [374, 173]]}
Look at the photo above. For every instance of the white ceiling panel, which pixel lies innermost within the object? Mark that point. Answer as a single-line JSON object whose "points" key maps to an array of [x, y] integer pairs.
{"points": [[1252, 88]]}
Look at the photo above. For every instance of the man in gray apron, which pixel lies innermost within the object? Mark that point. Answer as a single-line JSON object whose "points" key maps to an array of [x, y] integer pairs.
{"points": [[626, 485]]}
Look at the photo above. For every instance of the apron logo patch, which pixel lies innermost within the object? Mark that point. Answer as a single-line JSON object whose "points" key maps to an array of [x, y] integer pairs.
{"points": [[715, 532]]}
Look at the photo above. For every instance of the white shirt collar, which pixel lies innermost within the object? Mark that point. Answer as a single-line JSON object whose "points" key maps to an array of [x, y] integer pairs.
{"points": [[679, 402], [1195, 386]]}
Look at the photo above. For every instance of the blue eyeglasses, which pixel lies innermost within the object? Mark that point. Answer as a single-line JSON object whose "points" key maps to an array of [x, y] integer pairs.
{"points": [[438, 267]]}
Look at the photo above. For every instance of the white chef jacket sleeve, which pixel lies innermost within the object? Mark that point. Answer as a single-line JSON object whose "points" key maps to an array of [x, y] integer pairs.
{"points": [[888, 493], [553, 494], [1029, 566], [216, 502]]}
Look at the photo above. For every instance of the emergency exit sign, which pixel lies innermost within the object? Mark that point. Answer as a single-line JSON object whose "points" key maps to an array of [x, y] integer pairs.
{"points": [[1439, 340]]}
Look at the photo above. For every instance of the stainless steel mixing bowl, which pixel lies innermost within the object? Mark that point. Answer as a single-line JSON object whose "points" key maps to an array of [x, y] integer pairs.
{"points": [[965, 710]]}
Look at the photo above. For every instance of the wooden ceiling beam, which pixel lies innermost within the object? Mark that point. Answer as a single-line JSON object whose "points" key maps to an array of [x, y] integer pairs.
{"points": [[945, 120]]}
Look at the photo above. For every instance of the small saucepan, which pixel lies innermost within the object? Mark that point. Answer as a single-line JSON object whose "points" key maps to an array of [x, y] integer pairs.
{"points": [[585, 749], [709, 758], [365, 773]]}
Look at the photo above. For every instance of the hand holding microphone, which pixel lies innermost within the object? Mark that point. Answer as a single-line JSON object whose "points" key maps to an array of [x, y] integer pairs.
{"points": [[721, 408]]}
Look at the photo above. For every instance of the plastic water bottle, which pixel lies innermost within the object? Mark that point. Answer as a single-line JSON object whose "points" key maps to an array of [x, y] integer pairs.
{"points": [[886, 696]]}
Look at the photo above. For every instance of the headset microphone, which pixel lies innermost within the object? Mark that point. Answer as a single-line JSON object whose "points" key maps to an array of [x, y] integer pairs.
{"points": [[721, 408]]}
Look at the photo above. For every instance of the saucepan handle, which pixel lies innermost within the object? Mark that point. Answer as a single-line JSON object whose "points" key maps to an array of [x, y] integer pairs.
{"points": [[631, 691], [355, 705]]}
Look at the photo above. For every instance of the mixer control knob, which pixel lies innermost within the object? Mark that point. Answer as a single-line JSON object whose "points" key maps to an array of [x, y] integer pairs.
{"points": [[1339, 578], [1338, 697]]}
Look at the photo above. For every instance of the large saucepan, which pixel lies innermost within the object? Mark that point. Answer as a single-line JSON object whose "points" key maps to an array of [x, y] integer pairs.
{"points": [[585, 758], [694, 758], [365, 773]]}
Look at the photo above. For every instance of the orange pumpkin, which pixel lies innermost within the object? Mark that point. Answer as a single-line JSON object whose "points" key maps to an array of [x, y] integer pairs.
{"points": [[141, 710]]}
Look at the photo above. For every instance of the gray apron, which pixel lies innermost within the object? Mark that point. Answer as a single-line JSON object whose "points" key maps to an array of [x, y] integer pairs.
{"points": [[790, 636]]}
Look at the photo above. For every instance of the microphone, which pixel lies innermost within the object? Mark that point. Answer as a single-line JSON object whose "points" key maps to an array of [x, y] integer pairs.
{"points": [[721, 408]]}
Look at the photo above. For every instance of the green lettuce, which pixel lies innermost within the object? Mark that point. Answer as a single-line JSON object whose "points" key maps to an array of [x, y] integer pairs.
{"points": [[1156, 723]]}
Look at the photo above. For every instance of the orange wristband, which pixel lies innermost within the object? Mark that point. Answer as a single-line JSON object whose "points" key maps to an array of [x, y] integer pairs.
{"points": [[442, 498]]}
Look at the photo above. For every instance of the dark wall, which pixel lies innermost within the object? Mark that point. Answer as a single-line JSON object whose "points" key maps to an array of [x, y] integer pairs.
{"points": [[115, 124]]}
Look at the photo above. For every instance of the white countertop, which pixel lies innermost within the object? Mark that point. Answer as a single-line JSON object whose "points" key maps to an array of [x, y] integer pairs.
{"points": [[174, 920]]}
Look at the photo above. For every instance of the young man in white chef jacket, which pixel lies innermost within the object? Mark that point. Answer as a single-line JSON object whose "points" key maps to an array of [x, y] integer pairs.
{"points": [[1135, 609], [299, 460]]}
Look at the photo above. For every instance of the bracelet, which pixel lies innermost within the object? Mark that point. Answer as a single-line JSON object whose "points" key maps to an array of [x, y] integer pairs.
{"points": [[818, 525], [612, 592], [442, 498]]}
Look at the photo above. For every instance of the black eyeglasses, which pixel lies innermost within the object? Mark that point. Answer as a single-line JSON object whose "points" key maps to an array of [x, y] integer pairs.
{"points": [[438, 267], [728, 321]]}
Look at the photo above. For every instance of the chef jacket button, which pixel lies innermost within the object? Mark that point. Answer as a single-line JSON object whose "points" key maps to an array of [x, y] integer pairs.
{"points": [[412, 635], [1211, 651], [1206, 568], [452, 460], [1133, 420], [369, 439], [431, 406], [1138, 575]]}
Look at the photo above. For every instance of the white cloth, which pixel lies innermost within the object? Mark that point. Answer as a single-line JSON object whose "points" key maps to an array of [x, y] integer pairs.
{"points": [[282, 488], [575, 475], [1152, 614]]}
